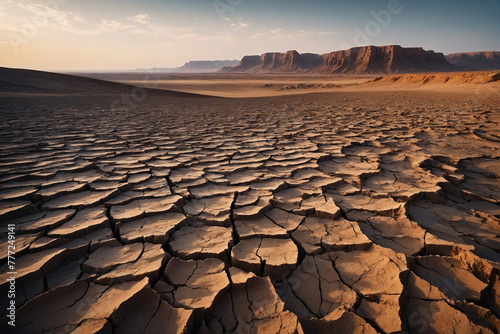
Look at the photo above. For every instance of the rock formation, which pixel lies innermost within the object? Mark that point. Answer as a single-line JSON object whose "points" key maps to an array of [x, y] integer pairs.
{"points": [[479, 61], [358, 60]]}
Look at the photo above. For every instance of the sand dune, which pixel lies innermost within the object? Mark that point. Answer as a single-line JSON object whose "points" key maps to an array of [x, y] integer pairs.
{"points": [[454, 81], [460, 78], [21, 81]]}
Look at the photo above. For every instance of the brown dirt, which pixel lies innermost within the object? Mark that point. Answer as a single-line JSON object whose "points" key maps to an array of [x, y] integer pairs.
{"points": [[354, 211]]}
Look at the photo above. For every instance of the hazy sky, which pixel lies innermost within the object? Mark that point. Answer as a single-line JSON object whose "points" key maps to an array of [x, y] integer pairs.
{"points": [[126, 34]]}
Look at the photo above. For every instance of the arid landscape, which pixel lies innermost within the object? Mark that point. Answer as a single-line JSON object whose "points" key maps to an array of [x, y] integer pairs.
{"points": [[249, 167], [370, 208]]}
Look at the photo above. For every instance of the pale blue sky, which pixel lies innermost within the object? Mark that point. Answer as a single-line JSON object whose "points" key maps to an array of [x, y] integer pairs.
{"points": [[126, 34]]}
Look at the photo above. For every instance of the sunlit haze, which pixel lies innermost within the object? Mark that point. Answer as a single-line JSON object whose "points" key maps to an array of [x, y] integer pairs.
{"points": [[78, 35]]}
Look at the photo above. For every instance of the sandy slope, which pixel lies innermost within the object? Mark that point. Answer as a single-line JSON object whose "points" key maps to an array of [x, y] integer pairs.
{"points": [[459, 78], [21, 81]]}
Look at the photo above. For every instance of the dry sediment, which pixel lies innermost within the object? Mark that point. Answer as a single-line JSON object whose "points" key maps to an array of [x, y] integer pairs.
{"points": [[349, 212]]}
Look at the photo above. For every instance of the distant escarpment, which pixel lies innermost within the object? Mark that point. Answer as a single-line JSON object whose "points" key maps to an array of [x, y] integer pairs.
{"points": [[482, 61], [200, 66], [360, 60]]}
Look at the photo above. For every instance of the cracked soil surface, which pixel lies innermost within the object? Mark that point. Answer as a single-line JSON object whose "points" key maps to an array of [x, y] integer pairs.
{"points": [[327, 213]]}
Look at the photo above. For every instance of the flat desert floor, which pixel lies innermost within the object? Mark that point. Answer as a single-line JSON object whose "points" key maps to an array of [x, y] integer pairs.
{"points": [[344, 212], [236, 85]]}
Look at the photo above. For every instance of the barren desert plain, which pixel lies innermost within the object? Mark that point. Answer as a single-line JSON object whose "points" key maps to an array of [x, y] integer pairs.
{"points": [[267, 204]]}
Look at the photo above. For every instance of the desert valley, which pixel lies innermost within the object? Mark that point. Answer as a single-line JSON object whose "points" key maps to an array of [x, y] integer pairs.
{"points": [[341, 190], [312, 203]]}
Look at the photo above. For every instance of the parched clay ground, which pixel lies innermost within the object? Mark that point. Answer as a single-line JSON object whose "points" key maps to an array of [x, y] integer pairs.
{"points": [[336, 213]]}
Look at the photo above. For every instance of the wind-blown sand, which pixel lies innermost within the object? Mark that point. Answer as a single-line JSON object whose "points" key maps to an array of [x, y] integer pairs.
{"points": [[357, 211], [446, 79]]}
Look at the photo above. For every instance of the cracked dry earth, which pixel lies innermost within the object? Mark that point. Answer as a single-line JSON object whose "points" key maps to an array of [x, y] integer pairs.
{"points": [[339, 213]]}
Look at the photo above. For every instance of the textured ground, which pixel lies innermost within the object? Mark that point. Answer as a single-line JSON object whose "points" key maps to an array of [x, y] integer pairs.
{"points": [[339, 213]]}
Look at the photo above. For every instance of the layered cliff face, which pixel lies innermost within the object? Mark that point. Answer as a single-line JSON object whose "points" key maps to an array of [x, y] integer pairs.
{"points": [[385, 59], [291, 61], [360, 60], [483, 61]]}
